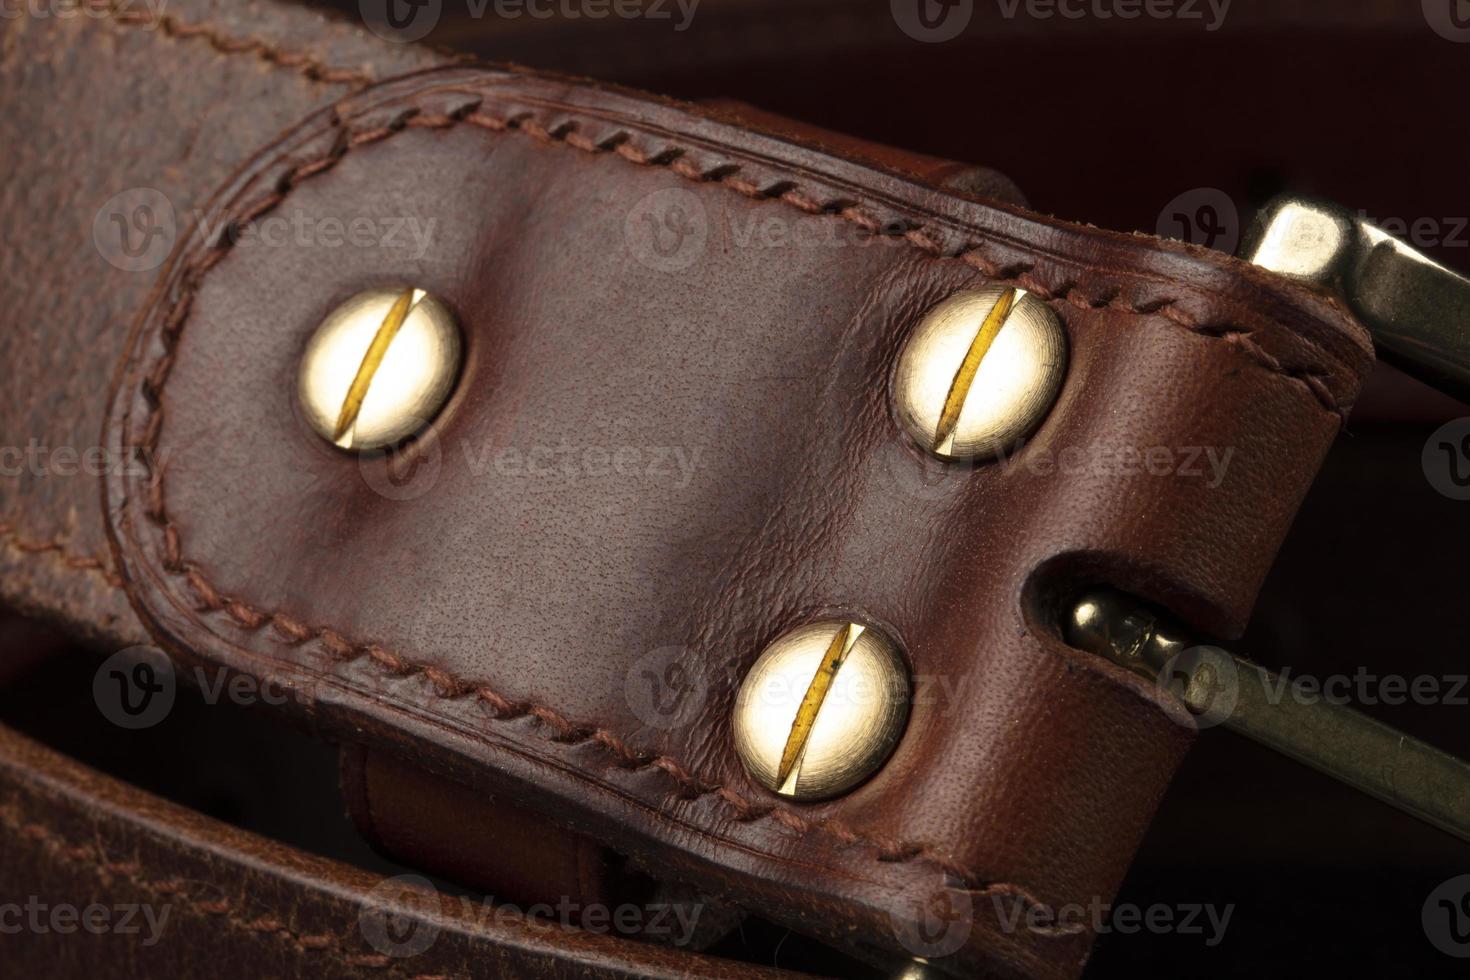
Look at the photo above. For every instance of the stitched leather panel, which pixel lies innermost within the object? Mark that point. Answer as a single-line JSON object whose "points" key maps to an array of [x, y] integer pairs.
{"points": [[490, 619]]}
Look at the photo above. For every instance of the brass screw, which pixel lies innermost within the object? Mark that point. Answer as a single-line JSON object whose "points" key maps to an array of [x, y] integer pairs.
{"points": [[980, 372], [821, 709], [379, 368]]}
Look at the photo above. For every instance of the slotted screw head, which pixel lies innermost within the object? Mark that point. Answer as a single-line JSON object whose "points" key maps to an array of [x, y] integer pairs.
{"points": [[379, 368], [821, 709], [980, 372]]}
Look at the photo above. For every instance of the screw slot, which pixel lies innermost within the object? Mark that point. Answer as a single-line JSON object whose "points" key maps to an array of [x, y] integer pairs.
{"points": [[379, 368], [821, 709], [980, 372]]}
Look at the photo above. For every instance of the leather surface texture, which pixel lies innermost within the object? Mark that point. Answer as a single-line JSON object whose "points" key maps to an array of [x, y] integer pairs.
{"points": [[671, 442], [184, 895], [110, 99]]}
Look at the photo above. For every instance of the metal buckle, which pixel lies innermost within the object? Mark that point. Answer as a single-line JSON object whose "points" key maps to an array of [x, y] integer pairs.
{"points": [[1418, 313], [1417, 310]]}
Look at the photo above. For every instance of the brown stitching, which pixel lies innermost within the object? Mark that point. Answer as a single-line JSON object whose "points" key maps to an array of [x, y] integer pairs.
{"points": [[178, 889], [124, 13], [1018, 274], [692, 786], [11, 537]]}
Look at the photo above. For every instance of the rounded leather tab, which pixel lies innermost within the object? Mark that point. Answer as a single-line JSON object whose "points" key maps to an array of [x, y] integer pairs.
{"points": [[669, 444]]}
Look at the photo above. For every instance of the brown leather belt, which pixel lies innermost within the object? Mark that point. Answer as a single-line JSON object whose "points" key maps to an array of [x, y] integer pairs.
{"points": [[481, 623]]}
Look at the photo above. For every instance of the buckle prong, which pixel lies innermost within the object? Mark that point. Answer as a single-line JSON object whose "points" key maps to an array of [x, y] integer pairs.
{"points": [[1244, 697]]}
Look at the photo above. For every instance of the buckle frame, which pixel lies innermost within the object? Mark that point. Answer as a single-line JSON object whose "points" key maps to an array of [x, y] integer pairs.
{"points": [[1417, 310]]}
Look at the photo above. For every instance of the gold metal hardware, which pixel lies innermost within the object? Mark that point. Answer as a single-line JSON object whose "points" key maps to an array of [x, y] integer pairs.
{"points": [[379, 368], [980, 372], [821, 709]]}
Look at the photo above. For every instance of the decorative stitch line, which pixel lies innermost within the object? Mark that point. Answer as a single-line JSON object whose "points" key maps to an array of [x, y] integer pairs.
{"points": [[177, 889], [289, 631], [124, 13], [11, 537]]}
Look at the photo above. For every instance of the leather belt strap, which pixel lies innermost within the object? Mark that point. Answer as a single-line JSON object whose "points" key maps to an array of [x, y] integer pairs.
{"points": [[207, 895], [98, 108], [109, 79], [1192, 345]]}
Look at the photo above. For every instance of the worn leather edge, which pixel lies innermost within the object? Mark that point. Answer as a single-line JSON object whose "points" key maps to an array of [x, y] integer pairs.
{"points": [[73, 832], [57, 563]]}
